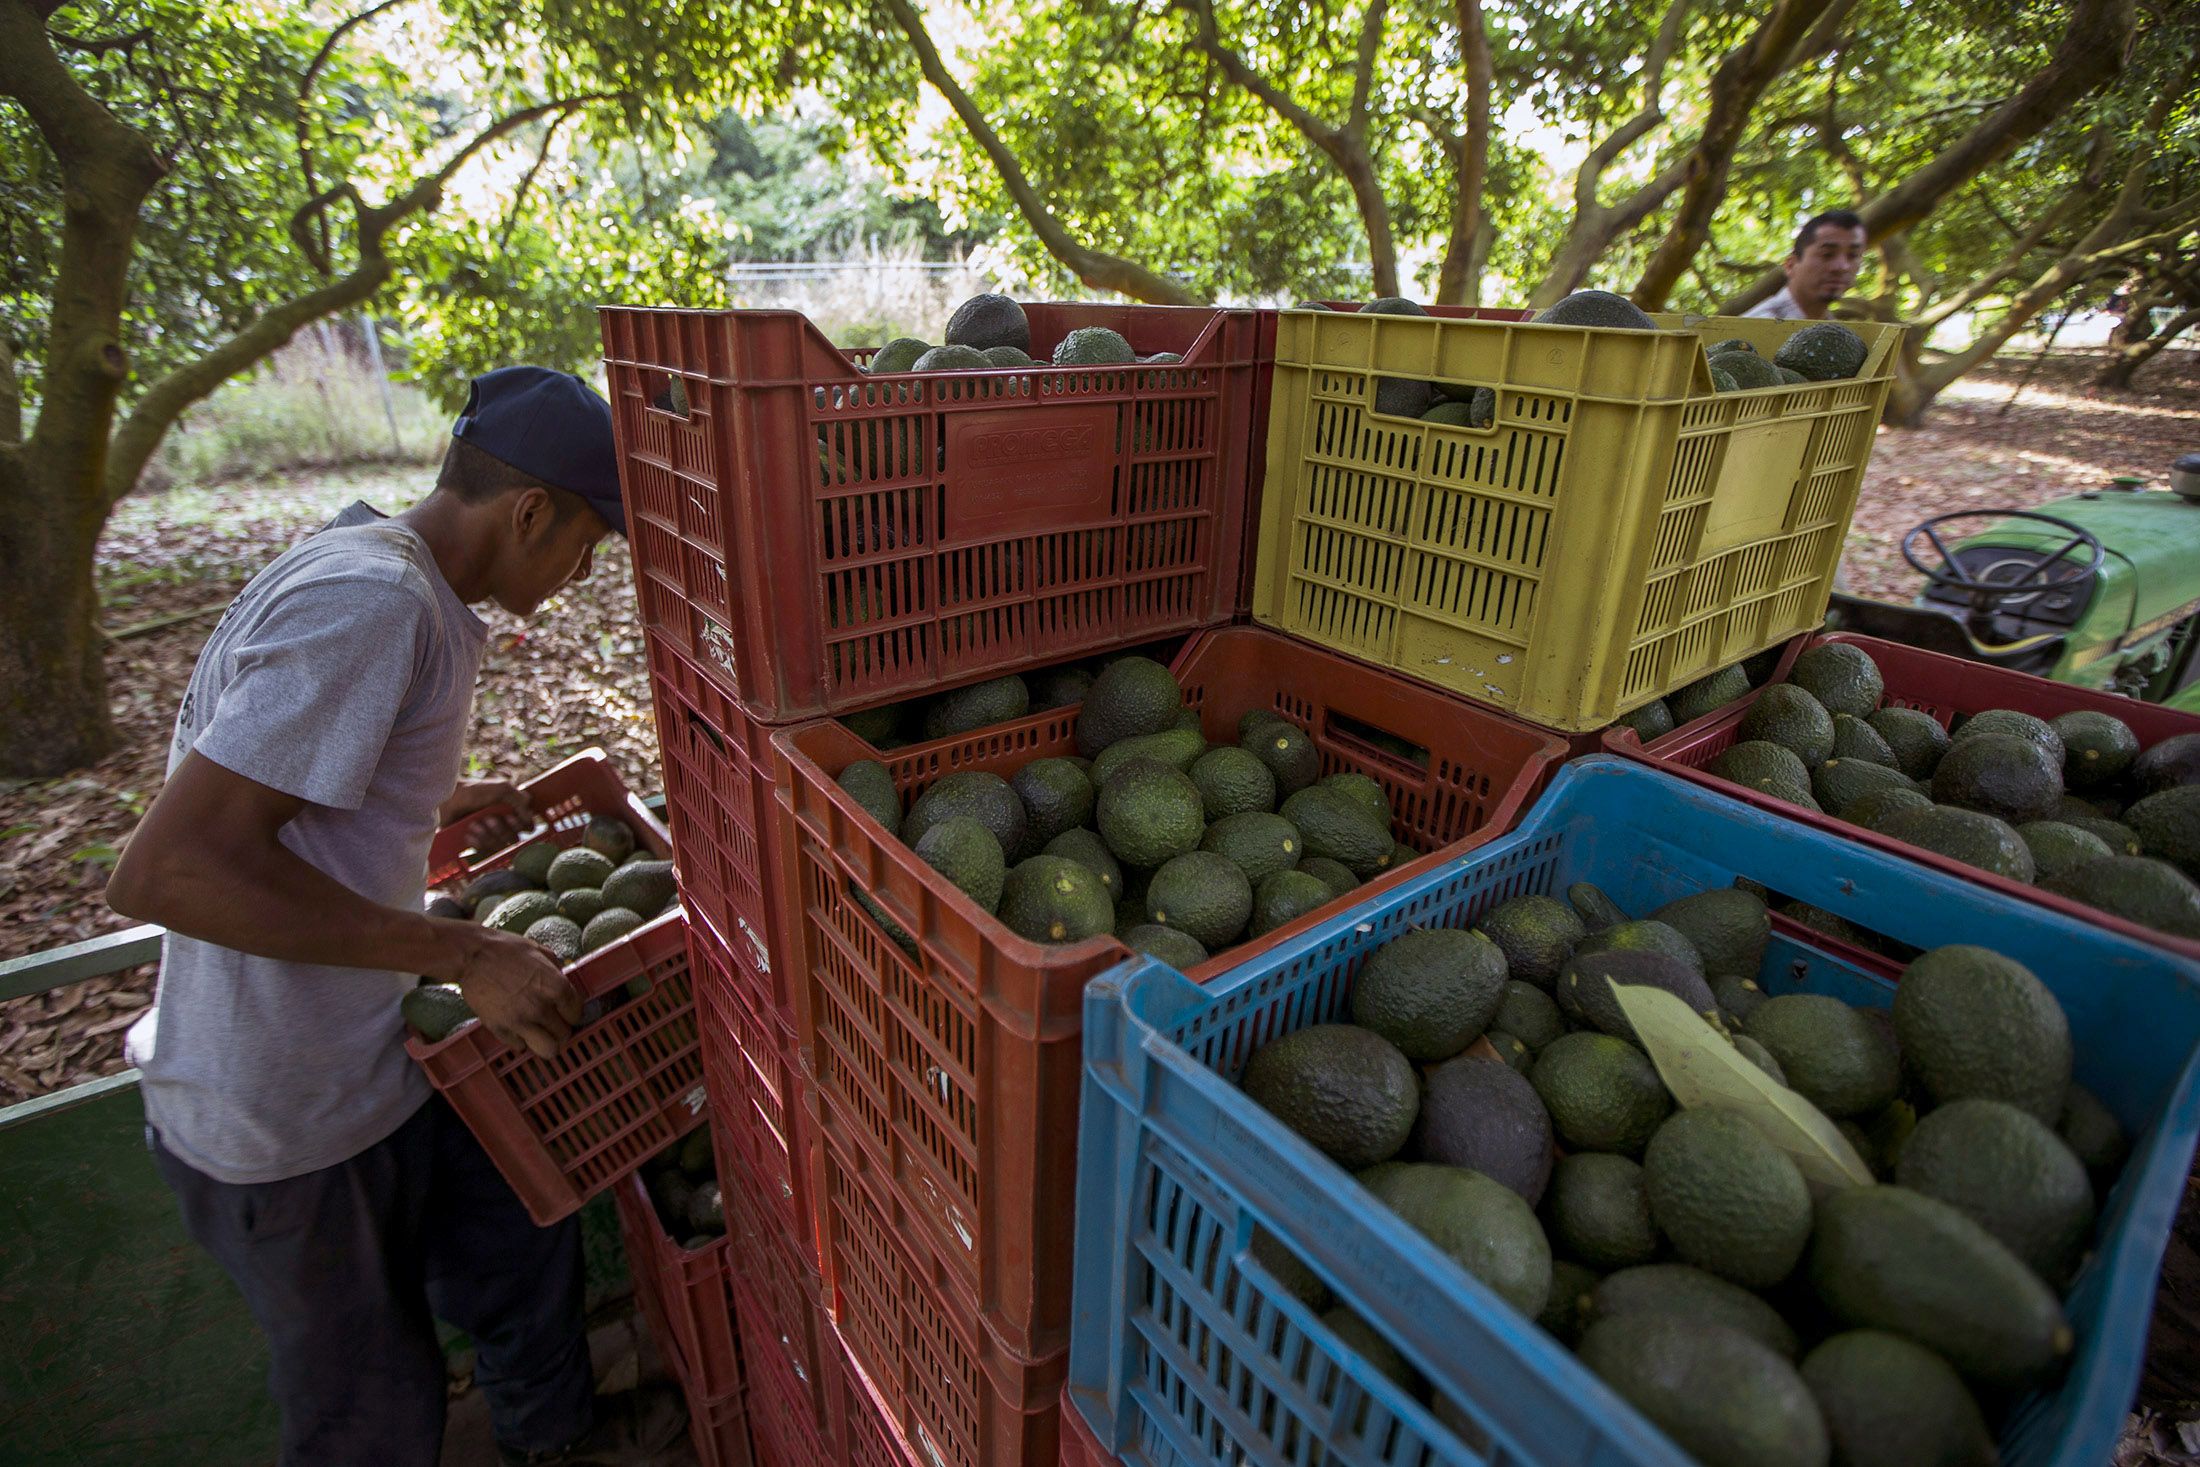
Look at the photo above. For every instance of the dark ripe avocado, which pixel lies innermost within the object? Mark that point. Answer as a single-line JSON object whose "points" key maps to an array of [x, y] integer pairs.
{"points": [[1516, 1055], [1885, 1257], [560, 935], [1764, 765], [1058, 687], [2000, 774], [1331, 874], [1484, 1225], [533, 860], [608, 926], [2058, 848], [2137, 888], [1728, 928], [2097, 748], [1839, 783], [1598, 1211], [1057, 797], [1572, 1285], [1430, 991], [1597, 910], [1647, 935], [1527, 1013], [1707, 694], [1823, 351], [578, 867], [609, 836], [491, 887], [1746, 368], [1760, 1056], [1345, 1089], [1393, 305], [1916, 739], [642, 887], [964, 710], [1585, 988], [1890, 1402], [1402, 397], [1480, 1114], [1690, 1294], [1724, 1399], [1970, 836], [1596, 308], [873, 789], [1087, 849], [450, 908], [2167, 824], [433, 1010], [1132, 695], [950, 359], [1739, 997], [1728, 1199], [2007, 1172], [989, 320], [985, 798], [1368, 792], [1093, 346], [1831, 1054], [2093, 1135], [1842, 677], [966, 853], [1874, 808], [1180, 950], [1536, 935], [2172, 762], [2120, 839], [1855, 739], [2009, 723], [1283, 898], [1653, 720], [1603, 1093], [1787, 715], [1974, 1023]]}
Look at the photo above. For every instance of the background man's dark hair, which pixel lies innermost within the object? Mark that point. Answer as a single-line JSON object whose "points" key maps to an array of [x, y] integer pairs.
{"points": [[475, 476], [1837, 218]]}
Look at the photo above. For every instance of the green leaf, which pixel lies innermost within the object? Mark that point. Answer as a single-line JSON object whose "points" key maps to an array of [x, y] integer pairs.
{"points": [[1703, 1069], [98, 855], [15, 830]]}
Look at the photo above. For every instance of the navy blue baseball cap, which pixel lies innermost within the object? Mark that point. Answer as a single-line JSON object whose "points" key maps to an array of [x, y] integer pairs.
{"points": [[551, 425]]}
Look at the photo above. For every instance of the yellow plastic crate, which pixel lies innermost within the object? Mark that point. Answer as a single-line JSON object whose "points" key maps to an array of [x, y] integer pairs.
{"points": [[1619, 531]]}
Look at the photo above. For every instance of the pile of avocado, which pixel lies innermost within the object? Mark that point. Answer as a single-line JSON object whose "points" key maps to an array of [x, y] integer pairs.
{"points": [[980, 705], [1178, 847], [683, 1186], [1491, 1092], [570, 900], [989, 332], [2073, 803]]}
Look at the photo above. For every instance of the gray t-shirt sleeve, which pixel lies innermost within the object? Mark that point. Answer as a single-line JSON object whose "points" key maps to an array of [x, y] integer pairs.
{"points": [[315, 688]]}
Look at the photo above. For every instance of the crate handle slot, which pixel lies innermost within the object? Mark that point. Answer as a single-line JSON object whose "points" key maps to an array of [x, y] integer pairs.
{"points": [[717, 740], [671, 399], [1344, 726]]}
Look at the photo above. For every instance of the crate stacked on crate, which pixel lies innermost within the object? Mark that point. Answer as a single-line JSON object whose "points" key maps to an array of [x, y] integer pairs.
{"points": [[1947, 689], [1202, 1217], [1613, 529], [943, 1082]]}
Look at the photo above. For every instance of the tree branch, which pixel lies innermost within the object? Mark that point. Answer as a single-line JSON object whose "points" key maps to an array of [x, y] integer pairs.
{"points": [[1363, 75], [101, 45], [527, 181], [11, 398], [2090, 52], [1458, 281], [316, 245], [1095, 268], [2120, 370]]}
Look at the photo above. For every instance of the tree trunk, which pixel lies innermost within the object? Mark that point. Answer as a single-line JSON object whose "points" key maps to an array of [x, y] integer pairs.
{"points": [[53, 675], [2121, 367]]}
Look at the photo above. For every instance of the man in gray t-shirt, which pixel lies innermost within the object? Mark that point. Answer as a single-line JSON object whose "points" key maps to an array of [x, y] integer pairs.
{"points": [[316, 753]]}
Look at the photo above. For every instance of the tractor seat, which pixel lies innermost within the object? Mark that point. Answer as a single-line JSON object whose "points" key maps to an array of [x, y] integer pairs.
{"points": [[1932, 630]]}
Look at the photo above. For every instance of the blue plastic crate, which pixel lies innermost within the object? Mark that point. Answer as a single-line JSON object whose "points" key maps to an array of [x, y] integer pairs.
{"points": [[1186, 1350]]}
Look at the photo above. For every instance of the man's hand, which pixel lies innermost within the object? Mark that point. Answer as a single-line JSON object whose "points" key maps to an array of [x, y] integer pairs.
{"points": [[517, 989], [501, 810]]}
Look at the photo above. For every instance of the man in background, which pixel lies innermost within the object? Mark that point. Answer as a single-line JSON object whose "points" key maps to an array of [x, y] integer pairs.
{"points": [[1820, 269]]}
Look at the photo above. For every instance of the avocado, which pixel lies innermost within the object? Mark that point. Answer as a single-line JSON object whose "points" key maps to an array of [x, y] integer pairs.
{"points": [[1831, 1054], [2167, 824], [1536, 934], [1596, 308], [981, 705], [706, 1209], [1973, 1023], [1284, 897], [1338, 826], [1287, 752], [1347, 1090], [1005, 358], [520, 911], [1180, 950], [2001, 775], [1480, 1114], [1131, 696], [1726, 1400], [1431, 991], [873, 789], [1403, 398], [608, 926], [2010, 1174], [1571, 1286], [482, 894], [1728, 928], [1746, 368], [1089, 851], [1292, 1272], [1233, 782], [1760, 1056], [1150, 814], [1916, 738], [1478, 411], [2093, 1135], [1885, 1257], [1361, 1338], [1679, 1291], [1728, 1199], [2137, 888], [1789, 377], [966, 853], [1058, 687], [990, 320], [579, 866], [2172, 762], [1707, 694], [609, 836], [1786, 715], [446, 907], [1723, 381], [1057, 798], [1368, 793], [2057, 848], [1393, 305], [1732, 343], [1203, 893], [2117, 836], [2009, 723], [1652, 721], [434, 1010], [1585, 989], [1516, 1055], [985, 798], [1598, 1211], [899, 355], [1093, 346], [1768, 767], [532, 861], [1839, 783], [1889, 1402], [1179, 748], [1331, 874], [1482, 1224], [1969, 836], [2097, 748], [1646, 935], [1856, 740], [1874, 808], [1527, 1013], [1823, 351], [558, 933], [1739, 997], [1053, 899], [1260, 844], [1603, 1093], [1842, 677], [950, 359]]}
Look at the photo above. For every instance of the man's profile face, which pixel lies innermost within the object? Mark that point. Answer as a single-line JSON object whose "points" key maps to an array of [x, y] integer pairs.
{"points": [[1827, 267]]}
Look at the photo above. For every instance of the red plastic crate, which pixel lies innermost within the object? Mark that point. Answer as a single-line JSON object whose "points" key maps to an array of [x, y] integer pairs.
{"points": [[820, 540], [718, 783], [958, 1073], [1944, 687], [1080, 1448], [719, 1429], [564, 796], [951, 1393], [863, 1422], [687, 1297], [757, 1118], [789, 1407]]}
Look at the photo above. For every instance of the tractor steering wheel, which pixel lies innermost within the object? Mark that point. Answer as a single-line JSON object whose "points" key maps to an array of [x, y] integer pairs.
{"points": [[2039, 568]]}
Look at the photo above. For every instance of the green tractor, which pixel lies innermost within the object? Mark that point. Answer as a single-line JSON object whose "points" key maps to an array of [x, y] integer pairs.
{"points": [[2101, 590]]}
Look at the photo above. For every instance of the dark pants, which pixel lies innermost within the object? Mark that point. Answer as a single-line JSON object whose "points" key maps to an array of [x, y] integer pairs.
{"points": [[347, 1268]]}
